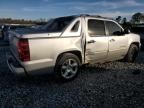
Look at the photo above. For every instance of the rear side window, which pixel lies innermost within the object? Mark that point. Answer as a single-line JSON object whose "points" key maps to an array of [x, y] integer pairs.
{"points": [[75, 27], [113, 28], [96, 27]]}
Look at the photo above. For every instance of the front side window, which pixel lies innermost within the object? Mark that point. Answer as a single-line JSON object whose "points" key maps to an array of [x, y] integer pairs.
{"points": [[113, 28], [96, 27]]}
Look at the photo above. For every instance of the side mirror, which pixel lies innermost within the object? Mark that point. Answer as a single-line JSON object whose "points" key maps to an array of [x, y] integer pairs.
{"points": [[126, 31], [119, 33]]}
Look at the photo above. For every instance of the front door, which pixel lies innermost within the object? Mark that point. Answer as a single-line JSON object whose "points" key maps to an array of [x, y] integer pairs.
{"points": [[118, 41]]}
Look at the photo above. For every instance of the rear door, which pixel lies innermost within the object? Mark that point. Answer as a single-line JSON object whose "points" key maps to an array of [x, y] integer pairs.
{"points": [[118, 41], [96, 40]]}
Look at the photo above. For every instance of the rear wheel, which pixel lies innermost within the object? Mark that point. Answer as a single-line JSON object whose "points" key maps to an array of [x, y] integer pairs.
{"points": [[132, 53], [67, 67]]}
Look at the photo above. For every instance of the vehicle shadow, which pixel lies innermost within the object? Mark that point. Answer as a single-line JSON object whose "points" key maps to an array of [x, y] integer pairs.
{"points": [[50, 78], [111, 70], [140, 58]]}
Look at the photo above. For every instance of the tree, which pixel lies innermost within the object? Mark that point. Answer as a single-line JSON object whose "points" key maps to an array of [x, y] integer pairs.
{"points": [[126, 25], [124, 20], [42, 20], [118, 19], [19, 21], [136, 18]]}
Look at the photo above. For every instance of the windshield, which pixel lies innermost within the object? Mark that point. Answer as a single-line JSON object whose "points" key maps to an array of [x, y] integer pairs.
{"points": [[58, 24]]}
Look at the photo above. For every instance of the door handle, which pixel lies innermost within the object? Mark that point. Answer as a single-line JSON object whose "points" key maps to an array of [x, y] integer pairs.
{"points": [[91, 41], [112, 40]]}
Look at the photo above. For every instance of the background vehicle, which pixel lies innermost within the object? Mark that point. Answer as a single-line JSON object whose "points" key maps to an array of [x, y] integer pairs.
{"points": [[0, 31], [65, 43], [6, 28], [139, 29]]}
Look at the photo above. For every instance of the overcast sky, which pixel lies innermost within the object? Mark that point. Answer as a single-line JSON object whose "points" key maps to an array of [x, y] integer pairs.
{"points": [[35, 9]]}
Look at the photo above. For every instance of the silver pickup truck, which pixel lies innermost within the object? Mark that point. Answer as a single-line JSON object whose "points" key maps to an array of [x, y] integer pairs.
{"points": [[65, 43]]}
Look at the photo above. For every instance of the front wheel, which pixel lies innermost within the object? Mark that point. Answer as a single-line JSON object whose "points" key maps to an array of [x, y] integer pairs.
{"points": [[132, 53], [67, 67]]}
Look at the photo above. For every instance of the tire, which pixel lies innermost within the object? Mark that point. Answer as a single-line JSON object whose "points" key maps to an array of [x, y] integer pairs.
{"points": [[132, 53], [67, 67]]}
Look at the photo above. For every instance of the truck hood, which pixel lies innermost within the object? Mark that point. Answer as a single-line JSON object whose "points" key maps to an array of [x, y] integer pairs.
{"points": [[33, 33], [134, 37]]}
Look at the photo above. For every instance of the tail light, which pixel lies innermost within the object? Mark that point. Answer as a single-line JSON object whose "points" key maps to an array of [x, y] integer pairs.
{"points": [[23, 50]]}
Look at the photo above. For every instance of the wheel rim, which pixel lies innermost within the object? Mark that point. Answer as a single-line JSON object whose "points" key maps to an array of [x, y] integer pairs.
{"points": [[69, 68]]}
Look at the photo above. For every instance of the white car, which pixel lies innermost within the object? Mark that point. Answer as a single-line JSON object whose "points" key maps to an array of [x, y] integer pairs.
{"points": [[65, 43]]}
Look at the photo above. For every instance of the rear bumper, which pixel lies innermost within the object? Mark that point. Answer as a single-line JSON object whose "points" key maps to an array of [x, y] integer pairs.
{"points": [[29, 68], [14, 66]]}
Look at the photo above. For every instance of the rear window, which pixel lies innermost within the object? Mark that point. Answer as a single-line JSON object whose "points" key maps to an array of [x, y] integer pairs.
{"points": [[58, 24]]}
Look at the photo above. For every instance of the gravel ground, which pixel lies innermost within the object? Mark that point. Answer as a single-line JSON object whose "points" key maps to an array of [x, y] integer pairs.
{"points": [[110, 85]]}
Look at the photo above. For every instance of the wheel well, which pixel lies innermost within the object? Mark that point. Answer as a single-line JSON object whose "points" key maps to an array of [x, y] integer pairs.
{"points": [[77, 53], [135, 43]]}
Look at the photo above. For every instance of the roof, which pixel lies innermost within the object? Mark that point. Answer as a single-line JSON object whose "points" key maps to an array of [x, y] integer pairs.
{"points": [[96, 16]]}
